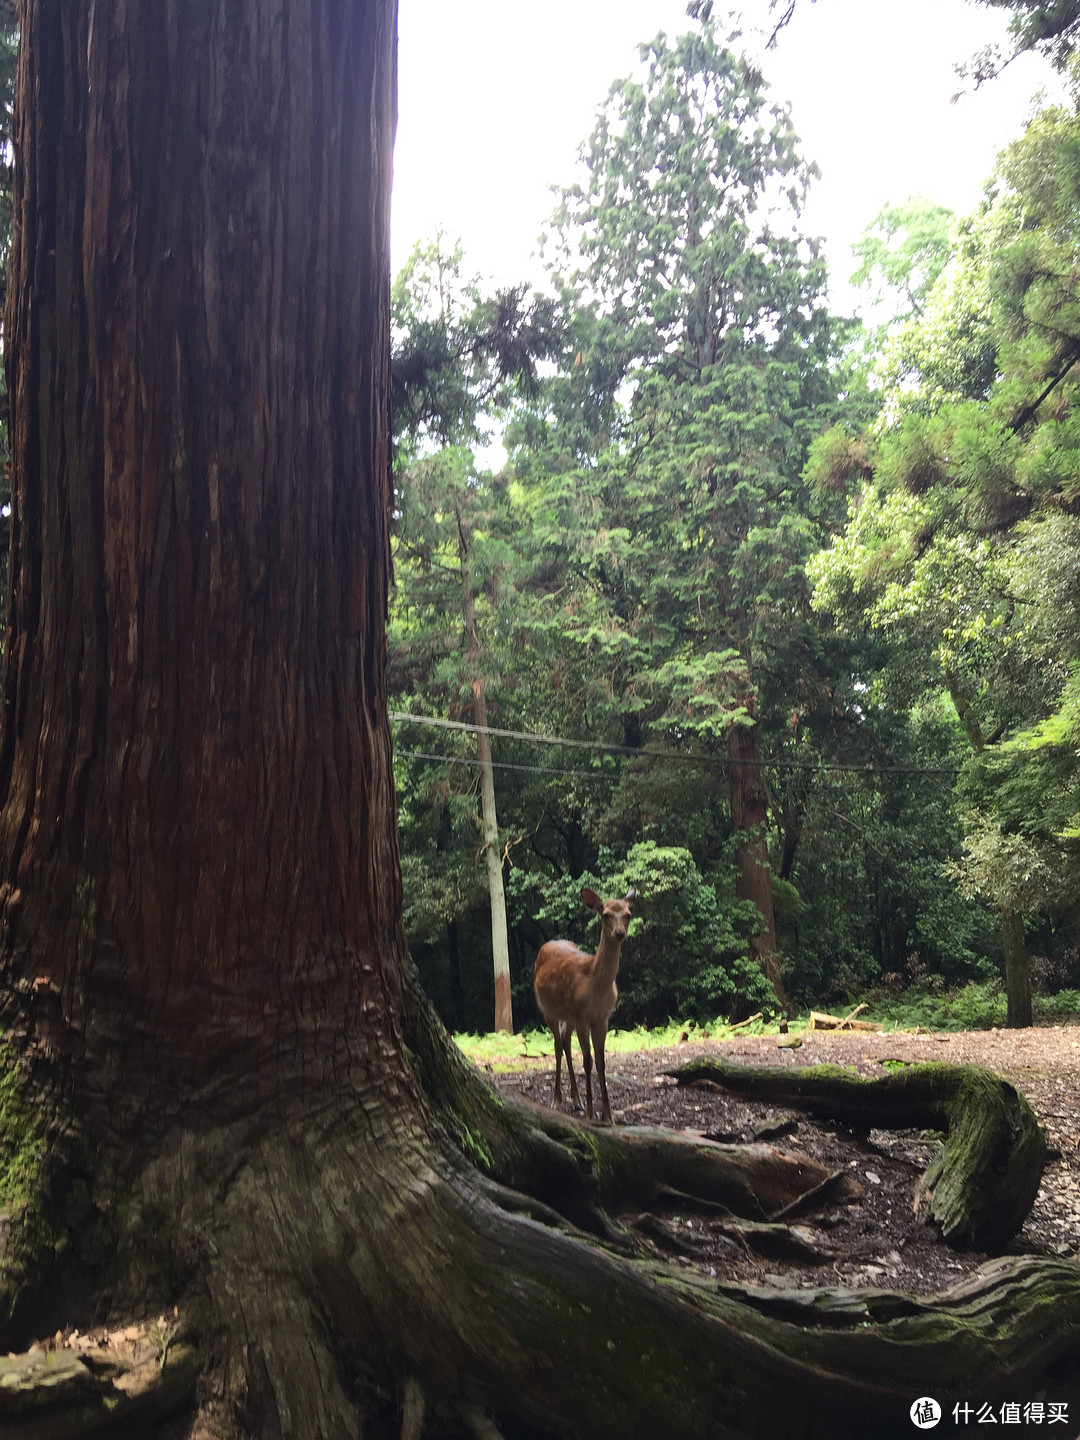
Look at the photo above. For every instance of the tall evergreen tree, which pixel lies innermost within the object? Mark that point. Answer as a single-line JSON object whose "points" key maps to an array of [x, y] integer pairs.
{"points": [[963, 545], [709, 323]]}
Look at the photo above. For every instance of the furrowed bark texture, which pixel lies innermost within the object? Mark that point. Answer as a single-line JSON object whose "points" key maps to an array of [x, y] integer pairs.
{"points": [[195, 769]]}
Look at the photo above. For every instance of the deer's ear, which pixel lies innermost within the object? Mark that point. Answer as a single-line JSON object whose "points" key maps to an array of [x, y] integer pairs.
{"points": [[592, 900], [631, 894]]}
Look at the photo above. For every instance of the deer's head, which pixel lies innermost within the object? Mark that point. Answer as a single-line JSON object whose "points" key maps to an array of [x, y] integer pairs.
{"points": [[614, 914]]}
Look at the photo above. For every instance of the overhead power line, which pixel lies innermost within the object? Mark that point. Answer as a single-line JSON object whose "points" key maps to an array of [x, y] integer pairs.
{"points": [[513, 734], [504, 765], [670, 756]]}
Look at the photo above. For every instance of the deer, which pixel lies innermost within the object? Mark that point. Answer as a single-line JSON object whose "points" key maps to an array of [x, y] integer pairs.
{"points": [[577, 991]]}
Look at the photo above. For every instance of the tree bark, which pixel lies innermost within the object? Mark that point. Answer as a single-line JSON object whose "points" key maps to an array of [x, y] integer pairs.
{"points": [[220, 1087], [199, 885], [749, 820], [1017, 974]]}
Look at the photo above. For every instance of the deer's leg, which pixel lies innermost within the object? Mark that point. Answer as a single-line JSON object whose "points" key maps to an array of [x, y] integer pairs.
{"points": [[599, 1035], [586, 1060], [563, 1035], [568, 1036], [556, 1030]]}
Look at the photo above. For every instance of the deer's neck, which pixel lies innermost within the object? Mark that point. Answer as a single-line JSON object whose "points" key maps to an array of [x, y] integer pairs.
{"points": [[607, 958]]}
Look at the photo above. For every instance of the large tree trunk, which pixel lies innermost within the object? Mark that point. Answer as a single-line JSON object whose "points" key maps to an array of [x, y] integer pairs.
{"points": [[221, 1088], [198, 803], [199, 884]]}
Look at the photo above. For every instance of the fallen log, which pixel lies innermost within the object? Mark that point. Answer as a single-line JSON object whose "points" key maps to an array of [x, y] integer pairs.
{"points": [[820, 1021], [748, 1021], [982, 1185]]}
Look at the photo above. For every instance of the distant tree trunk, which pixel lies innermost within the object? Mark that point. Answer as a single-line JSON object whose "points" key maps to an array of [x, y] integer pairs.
{"points": [[791, 827], [749, 819], [1017, 972], [457, 992], [500, 946], [1017, 975], [220, 1082]]}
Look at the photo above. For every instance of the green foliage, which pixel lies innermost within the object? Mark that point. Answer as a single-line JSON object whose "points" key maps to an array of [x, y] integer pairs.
{"points": [[963, 550], [945, 353], [837, 460], [875, 902], [459, 355], [685, 524], [1049, 27], [1064, 1006], [643, 569], [975, 1006], [503, 1053], [682, 169], [901, 253]]}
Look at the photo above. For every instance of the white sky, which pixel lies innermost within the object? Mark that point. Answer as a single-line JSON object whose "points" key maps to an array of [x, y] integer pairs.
{"points": [[496, 96]]}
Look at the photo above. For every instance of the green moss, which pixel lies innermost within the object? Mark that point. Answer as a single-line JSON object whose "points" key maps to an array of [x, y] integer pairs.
{"points": [[20, 1139], [984, 1180], [476, 1149]]}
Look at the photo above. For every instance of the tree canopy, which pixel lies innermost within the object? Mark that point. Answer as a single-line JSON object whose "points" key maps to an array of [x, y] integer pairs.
{"points": [[662, 573]]}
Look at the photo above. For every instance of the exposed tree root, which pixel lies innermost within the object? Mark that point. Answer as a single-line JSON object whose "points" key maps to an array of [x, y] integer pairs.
{"points": [[982, 1185], [491, 1310], [587, 1173], [55, 1394], [413, 1409], [788, 1242], [335, 1258], [363, 1265]]}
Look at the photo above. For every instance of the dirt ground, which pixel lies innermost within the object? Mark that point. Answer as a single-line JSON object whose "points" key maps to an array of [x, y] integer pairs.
{"points": [[875, 1240]]}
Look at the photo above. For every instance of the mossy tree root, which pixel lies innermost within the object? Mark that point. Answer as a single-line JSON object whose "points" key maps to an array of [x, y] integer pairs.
{"points": [[59, 1394], [981, 1187], [330, 1290], [341, 1266], [348, 1266], [587, 1172]]}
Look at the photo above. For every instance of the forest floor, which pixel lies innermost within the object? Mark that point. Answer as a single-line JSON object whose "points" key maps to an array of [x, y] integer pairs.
{"points": [[876, 1240]]}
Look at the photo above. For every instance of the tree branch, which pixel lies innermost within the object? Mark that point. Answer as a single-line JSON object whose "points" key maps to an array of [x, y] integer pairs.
{"points": [[1028, 412]]}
